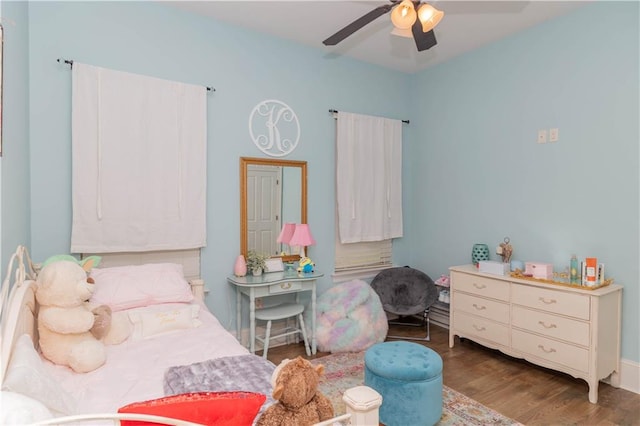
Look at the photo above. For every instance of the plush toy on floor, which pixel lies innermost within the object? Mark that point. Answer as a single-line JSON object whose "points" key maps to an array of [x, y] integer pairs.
{"points": [[295, 387], [72, 332]]}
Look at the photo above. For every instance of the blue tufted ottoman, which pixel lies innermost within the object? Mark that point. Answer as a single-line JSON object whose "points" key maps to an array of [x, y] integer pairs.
{"points": [[409, 378]]}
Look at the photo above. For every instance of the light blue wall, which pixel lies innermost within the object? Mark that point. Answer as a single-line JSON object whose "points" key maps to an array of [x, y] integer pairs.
{"points": [[244, 67], [14, 164], [484, 177]]}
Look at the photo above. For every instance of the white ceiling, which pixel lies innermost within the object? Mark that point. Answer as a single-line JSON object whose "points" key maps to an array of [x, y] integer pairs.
{"points": [[467, 25]]}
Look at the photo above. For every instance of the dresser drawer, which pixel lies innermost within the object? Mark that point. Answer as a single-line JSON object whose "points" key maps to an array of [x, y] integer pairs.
{"points": [[486, 287], [550, 325], [284, 287], [487, 308], [559, 302], [481, 327], [551, 350]]}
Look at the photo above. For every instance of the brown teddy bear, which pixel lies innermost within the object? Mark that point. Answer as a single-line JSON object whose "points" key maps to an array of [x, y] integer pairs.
{"points": [[295, 387]]}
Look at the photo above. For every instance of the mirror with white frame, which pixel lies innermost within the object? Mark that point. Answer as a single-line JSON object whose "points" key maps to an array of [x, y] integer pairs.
{"points": [[272, 192]]}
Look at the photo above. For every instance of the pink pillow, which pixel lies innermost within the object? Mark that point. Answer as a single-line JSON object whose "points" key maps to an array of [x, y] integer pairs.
{"points": [[126, 287]]}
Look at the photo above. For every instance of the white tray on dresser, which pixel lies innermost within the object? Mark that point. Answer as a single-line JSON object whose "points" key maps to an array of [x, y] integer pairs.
{"points": [[573, 330]]}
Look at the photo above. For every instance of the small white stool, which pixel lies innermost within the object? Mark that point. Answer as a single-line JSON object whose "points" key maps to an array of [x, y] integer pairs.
{"points": [[281, 312]]}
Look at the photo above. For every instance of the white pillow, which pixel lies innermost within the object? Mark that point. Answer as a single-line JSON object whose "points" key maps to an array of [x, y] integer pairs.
{"points": [[126, 287], [18, 409], [162, 320], [27, 375]]}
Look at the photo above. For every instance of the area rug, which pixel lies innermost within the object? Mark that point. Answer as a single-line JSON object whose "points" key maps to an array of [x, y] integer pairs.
{"points": [[346, 370]]}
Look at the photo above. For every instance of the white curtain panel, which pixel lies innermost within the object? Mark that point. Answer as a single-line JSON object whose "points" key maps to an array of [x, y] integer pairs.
{"points": [[369, 177], [139, 162]]}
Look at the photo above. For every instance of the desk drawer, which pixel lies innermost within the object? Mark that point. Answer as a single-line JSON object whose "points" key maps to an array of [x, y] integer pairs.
{"points": [[284, 287]]}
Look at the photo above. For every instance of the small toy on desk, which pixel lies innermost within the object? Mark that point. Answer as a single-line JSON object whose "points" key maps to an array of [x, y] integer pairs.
{"points": [[306, 265]]}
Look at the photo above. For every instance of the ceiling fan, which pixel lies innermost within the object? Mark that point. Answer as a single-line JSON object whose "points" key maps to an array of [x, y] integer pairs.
{"points": [[410, 19]]}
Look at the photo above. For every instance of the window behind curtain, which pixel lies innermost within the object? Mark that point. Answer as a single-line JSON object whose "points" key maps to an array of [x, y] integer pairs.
{"points": [[362, 258]]}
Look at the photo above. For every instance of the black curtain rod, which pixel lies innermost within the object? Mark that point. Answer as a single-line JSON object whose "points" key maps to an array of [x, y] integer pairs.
{"points": [[334, 111], [70, 63]]}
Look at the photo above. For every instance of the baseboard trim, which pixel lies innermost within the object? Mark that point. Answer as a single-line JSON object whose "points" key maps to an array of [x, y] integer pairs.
{"points": [[629, 376]]}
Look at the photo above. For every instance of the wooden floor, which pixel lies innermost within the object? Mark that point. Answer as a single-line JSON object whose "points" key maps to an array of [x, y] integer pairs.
{"points": [[527, 393]]}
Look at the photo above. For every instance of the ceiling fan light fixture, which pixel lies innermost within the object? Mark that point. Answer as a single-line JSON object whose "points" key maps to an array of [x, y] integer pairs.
{"points": [[404, 15], [429, 16]]}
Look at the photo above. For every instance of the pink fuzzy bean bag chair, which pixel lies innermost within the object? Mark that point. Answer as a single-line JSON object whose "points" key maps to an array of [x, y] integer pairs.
{"points": [[350, 318]]}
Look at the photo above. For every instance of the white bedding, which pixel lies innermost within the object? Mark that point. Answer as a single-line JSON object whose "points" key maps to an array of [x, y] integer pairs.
{"points": [[134, 370]]}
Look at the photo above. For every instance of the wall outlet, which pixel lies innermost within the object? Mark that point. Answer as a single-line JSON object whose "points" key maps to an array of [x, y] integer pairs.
{"points": [[553, 135], [542, 136], [259, 303]]}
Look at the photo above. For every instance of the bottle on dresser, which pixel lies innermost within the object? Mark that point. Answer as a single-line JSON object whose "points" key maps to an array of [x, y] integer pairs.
{"points": [[574, 270], [590, 271]]}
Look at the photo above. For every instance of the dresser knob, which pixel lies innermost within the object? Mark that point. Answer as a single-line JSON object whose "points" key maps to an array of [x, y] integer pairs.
{"points": [[547, 301], [479, 286], [479, 328], [480, 308]]}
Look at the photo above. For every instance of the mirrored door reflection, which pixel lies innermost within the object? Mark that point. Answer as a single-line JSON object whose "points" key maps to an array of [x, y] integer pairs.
{"points": [[273, 198]]}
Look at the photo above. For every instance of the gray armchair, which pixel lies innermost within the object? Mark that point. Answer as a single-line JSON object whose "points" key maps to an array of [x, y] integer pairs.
{"points": [[406, 292]]}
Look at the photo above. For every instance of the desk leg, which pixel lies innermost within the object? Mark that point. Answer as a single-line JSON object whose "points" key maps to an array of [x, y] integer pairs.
{"points": [[252, 321], [238, 315], [313, 319]]}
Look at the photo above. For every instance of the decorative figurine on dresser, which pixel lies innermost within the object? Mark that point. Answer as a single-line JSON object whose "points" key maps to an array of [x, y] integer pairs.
{"points": [[505, 250]]}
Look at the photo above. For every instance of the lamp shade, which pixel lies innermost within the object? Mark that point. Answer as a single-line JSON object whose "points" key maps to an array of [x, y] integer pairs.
{"points": [[286, 233], [404, 15], [429, 16], [302, 236]]}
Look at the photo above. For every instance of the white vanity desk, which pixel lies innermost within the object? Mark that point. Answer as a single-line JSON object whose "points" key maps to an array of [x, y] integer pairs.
{"points": [[272, 284]]}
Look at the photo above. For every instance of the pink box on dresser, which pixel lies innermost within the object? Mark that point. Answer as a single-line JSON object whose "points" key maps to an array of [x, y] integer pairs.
{"points": [[539, 270]]}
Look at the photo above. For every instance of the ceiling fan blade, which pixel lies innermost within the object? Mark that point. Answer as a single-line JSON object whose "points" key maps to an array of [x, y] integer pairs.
{"points": [[424, 41], [357, 24]]}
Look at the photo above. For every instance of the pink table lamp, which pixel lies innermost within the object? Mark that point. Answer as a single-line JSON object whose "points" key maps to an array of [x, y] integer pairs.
{"points": [[286, 234], [302, 237]]}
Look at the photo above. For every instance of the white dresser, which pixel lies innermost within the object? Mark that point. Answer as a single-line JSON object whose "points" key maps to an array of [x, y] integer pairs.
{"points": [[568, 329]]}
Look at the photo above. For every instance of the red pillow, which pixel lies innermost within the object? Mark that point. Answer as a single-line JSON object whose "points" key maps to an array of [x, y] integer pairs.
{"points": [[208, 408]]}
